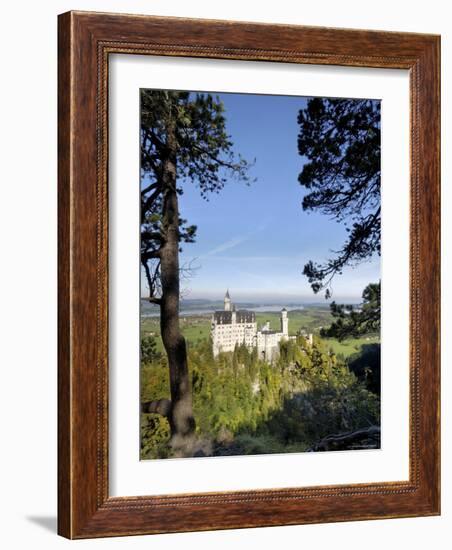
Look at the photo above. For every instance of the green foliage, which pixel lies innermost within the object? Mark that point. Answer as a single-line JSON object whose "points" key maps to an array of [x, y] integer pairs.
{"points": [[155, 434], [243, 405], [334, 402], [340, 138], [155, 431], [154, 381], [352, 321], [149, 351]]}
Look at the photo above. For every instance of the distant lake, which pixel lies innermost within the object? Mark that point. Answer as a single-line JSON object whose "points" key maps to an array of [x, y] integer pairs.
{"points": [[149, 310]]}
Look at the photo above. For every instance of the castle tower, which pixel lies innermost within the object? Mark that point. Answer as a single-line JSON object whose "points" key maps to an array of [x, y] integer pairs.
{"points": [[284, 323], [227, 301], [234, 315]]}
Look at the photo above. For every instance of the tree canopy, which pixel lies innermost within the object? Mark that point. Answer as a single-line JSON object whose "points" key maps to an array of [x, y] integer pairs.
{"points": [[355, 321], [340, 141]]}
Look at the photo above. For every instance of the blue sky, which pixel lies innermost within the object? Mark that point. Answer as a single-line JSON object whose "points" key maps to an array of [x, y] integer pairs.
{"points": [[256, 239]]}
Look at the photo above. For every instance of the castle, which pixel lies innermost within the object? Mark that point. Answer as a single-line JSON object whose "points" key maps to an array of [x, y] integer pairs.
{"points": [[231, 327]]}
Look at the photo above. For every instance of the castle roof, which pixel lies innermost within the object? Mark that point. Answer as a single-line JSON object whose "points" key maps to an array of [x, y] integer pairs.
{"points": [[227, 294], [223, 317], [241, 316], [245, 316]]}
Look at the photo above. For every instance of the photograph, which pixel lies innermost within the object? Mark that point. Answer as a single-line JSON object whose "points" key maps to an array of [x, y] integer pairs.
{"points": [[260, 274]]}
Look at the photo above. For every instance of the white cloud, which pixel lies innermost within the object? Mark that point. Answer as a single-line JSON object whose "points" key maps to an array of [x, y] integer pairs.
{"points": [[231, 243]]}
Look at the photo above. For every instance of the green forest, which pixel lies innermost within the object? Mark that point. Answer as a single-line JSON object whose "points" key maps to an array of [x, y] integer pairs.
{"points": [[243, 405]]}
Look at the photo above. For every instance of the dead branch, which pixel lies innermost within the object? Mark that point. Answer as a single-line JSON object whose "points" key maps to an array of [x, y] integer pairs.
{"points": [[161, 406], [341, 442]]}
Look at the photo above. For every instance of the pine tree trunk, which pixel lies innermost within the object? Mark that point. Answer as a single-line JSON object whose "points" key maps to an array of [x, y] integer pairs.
{"points": [[181, 418]]}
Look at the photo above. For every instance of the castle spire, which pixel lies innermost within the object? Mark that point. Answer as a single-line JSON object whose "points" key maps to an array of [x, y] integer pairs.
{"points": [[227, 301]]}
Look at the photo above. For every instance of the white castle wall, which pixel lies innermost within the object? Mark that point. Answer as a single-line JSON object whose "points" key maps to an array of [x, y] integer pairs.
{"points": [[226, 336]]}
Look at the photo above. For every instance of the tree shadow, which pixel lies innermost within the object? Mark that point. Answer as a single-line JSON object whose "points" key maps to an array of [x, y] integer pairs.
{"points": [[366, 365], [321, 419], [49, 523]]}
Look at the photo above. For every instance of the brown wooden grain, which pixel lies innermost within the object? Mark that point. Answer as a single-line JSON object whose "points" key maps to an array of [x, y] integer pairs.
{"points": [[85, 42], [64, 295]]}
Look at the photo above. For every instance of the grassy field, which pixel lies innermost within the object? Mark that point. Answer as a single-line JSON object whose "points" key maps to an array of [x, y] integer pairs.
{"points": [[310, 319], [351, 346]]}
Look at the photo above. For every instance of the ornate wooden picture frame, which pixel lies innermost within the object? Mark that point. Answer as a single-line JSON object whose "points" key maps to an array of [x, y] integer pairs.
{"points": [[86, 41]]}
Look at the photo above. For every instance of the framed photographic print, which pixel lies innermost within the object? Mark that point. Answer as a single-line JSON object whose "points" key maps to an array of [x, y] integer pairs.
{"points": [[248, 275]]}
